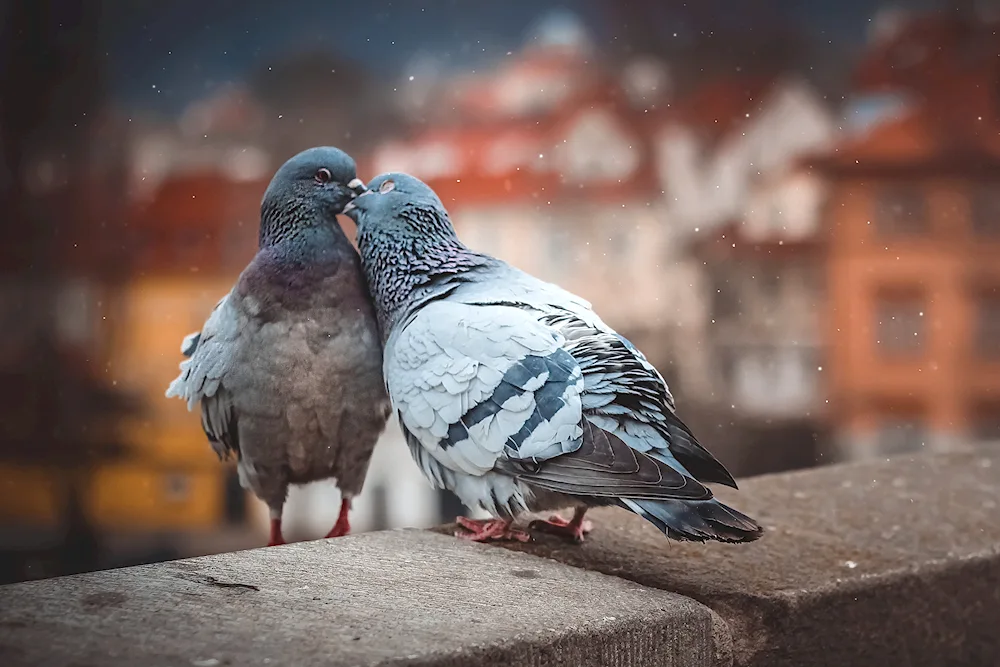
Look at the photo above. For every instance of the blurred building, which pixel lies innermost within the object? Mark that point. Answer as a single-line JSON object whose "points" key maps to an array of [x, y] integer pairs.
{"points": [[547, 161], [603, 180], [914, 235], [728, 162], [191, 237], [767, 342], [860, 295]]}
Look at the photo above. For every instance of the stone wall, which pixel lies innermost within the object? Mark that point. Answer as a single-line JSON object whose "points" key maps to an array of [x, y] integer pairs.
{"points": [[886, 563]]}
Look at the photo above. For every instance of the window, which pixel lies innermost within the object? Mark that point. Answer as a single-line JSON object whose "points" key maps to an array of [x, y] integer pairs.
{"points": [[984, 209], [901, 210], [772, 379], [988, 324], [769, 281], [901, 435], [899, 326], [177, 488], [726, 301]]}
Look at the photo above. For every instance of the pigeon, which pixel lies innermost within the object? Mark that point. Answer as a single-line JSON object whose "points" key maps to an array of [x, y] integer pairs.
{"points": [[514, 395], [288, 367]]}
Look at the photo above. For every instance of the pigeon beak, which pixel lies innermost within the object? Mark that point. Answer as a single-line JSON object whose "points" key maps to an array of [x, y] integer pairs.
{"points": [[357, 186], [351, 206]]}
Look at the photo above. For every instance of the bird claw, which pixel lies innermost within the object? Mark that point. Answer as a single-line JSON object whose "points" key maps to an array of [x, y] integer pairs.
{"points": [[339, 529], [569, 529], [343, 525], [276, 538], [489, 530]]}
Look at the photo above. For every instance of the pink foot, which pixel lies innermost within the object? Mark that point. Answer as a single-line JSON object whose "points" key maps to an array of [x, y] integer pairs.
{"points": [[487, 530], [343, 525], [276, 538], [573, 529]]}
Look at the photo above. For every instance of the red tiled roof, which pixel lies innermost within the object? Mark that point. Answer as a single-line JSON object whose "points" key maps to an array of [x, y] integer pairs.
{"points": [[917, 141], [714, 110], [950, 61], [477, 177], [952, 64], [928, 49]]}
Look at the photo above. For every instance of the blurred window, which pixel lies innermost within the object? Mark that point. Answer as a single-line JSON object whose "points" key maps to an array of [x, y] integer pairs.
{"points": [[985, 210], [176, 488], [901, 210], [726, 300], [770, 282], [988, 324], [900, 323]]}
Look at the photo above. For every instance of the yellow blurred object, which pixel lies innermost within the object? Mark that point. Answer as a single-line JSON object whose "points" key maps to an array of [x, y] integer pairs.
{"points": [[134, 496], [158, 313], [173, 479], [29, 494]]}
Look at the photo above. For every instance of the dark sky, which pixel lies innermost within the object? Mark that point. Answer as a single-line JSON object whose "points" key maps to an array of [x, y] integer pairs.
{"points": [[162, 54]]}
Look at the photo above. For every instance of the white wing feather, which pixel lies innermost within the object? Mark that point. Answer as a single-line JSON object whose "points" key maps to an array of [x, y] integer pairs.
{"points": [[202, 373], [452, 357]]}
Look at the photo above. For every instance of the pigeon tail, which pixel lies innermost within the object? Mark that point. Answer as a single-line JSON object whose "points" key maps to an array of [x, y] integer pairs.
{"points": [[696, 520]]}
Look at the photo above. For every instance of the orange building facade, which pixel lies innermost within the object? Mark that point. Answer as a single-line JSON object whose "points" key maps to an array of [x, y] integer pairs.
{"points": [[914, 246], [914, 292]]}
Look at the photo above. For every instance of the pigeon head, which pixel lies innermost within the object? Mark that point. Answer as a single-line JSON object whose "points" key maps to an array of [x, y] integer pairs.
{"points": [[406, 241], [397, 203], [308, 190]]}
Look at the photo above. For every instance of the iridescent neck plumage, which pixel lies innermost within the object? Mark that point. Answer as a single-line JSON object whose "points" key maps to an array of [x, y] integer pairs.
{"points": [[286, 220], [398, 266]]}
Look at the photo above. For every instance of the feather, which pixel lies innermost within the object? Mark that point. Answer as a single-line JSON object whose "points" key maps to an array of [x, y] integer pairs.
{"points": [[286, 370], [497, 375]]}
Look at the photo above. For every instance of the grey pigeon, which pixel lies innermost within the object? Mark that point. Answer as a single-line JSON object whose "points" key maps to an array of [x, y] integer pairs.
{"points": [[513, 394], [287, 368]]}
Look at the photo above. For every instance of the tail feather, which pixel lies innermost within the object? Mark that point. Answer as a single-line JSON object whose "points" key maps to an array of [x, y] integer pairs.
{"points": [[697, 520]]}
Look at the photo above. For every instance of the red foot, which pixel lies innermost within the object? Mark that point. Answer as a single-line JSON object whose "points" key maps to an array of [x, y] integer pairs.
{"points": [[343, 525], [486, 530], [573, 529], [276, 537]]}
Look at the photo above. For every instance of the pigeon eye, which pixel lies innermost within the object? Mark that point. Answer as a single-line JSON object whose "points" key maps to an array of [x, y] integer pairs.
{"points": [[323, 175], [386, 186]]}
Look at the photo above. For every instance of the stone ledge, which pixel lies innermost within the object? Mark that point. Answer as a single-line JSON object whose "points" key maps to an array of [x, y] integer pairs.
{"points": [[868, 564], [393, 598], [879, 563]]}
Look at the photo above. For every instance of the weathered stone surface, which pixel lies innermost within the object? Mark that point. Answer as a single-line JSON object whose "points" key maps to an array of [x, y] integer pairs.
{"points": [[885, 563], [393, 598]]}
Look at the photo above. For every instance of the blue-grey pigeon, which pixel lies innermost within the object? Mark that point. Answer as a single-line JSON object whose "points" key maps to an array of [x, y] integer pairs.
{"points": [[287, 368], [513, 394]]}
